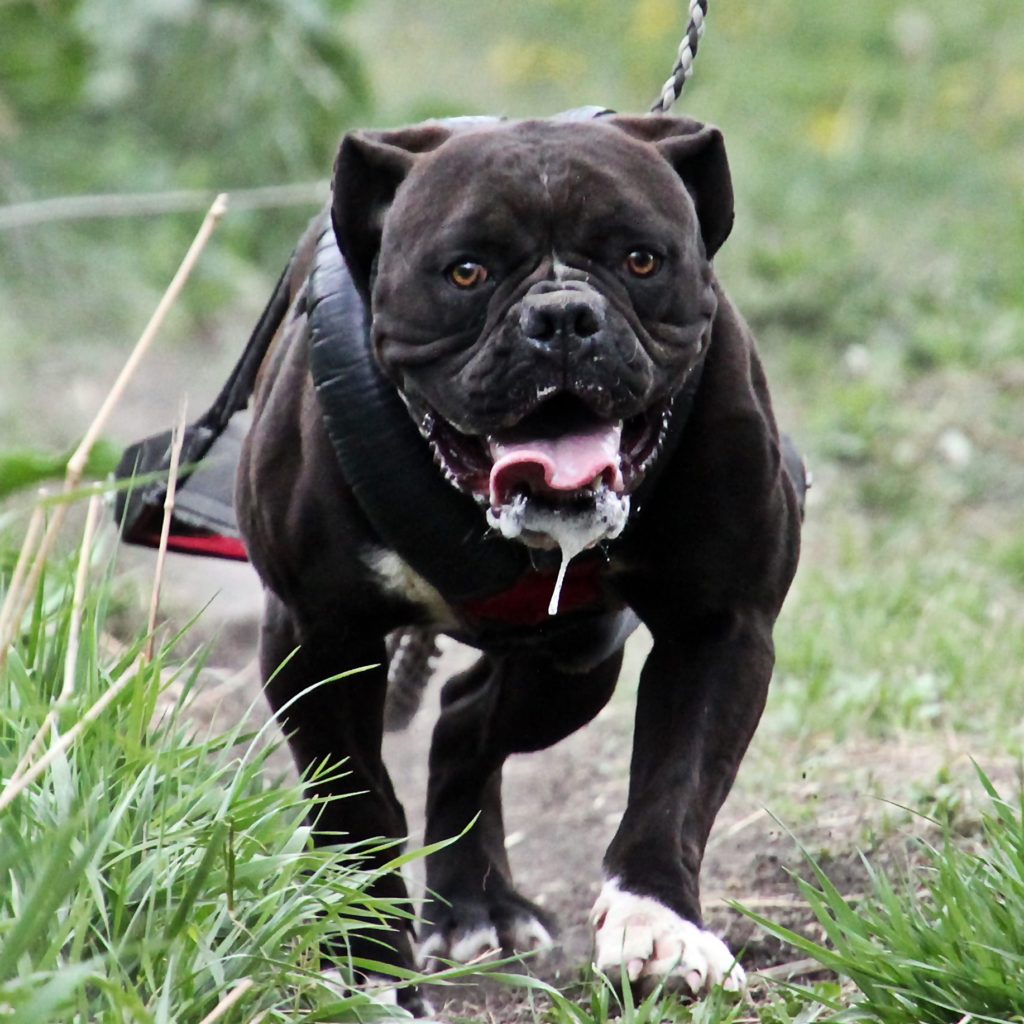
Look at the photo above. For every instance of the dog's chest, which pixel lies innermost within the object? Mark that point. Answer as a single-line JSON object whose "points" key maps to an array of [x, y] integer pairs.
{"points": [[524, 603], [399, 579]]}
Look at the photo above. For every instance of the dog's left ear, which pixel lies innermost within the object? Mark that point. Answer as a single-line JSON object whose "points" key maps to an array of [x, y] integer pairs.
{"points": [[367, 173], [697, 152]]}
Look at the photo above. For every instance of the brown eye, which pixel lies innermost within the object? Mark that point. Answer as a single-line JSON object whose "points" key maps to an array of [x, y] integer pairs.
{"points": [[467, 275], [642, 263]]}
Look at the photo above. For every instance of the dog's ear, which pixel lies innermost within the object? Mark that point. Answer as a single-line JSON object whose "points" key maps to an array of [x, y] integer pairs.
{"points": [[367, 172], [697, 152]]}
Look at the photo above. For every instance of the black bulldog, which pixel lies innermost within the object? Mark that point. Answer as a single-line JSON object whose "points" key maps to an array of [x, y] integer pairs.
{"points": [[511, 403]]}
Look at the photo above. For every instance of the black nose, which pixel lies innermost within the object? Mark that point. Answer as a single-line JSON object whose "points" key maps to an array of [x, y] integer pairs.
{"points": [[561, 316]]}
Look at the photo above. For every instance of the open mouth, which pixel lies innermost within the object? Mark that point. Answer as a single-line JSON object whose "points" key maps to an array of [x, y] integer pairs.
{"points": [[560, 478], [560, 455]]}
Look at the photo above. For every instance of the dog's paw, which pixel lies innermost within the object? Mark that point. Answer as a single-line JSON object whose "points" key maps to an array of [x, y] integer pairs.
{"points": [[654, 944], [470, 931]]}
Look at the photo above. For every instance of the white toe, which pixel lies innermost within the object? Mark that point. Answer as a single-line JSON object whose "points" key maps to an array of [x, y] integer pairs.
{"points": [[437, 949], [429, 951], [475, 944], [379, 990], [530, 935]]}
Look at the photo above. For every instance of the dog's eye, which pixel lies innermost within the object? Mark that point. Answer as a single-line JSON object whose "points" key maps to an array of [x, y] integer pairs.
{"points": [[642, 263], [467, 274]]}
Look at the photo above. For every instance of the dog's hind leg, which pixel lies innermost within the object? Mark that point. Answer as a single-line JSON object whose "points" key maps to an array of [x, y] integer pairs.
{"points": [[341, 720], [505, 704]]}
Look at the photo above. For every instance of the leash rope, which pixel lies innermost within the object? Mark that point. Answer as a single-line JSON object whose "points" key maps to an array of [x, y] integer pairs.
{"points": [[683, 69]]}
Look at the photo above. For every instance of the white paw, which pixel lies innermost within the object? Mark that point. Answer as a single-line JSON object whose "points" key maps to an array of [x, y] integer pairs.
{"points": [[649, 941], [473, 945], [527, 935]]}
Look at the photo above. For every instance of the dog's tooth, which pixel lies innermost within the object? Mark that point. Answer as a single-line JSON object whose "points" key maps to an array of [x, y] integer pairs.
{"points": [[442, 464]]}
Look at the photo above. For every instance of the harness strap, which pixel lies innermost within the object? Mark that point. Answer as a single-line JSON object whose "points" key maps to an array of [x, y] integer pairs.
{"points": [[438, 531], [204, 520]]}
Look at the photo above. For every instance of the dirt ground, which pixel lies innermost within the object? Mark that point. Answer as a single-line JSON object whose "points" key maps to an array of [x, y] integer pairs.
{"points": [[563, 804]]}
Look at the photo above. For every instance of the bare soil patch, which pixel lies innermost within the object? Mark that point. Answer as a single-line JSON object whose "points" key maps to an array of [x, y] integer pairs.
{"points": [[563, 804]]}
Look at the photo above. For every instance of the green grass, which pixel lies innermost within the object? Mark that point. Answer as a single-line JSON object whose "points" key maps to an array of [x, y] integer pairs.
{"points": [[940, 944], [596, 999], [26, 467], [153, 868], [895, 634]]}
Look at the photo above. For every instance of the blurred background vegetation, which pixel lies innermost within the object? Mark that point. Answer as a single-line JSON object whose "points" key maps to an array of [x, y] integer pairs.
{"points": [[878, 157]]}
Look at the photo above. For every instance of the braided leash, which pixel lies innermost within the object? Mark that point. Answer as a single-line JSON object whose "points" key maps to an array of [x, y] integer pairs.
{"points": [[684, 62]]}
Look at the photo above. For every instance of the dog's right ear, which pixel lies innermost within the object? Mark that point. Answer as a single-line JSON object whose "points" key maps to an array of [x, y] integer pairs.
{"points": [[697, 153], [367, 172]]}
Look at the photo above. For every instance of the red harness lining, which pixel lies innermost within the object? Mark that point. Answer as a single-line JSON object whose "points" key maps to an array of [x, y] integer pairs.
{"points": [[525, 603], [212, 545]]}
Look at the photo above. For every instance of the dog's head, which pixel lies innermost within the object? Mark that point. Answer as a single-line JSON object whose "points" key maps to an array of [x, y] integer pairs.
{"points": [[540, 292]]}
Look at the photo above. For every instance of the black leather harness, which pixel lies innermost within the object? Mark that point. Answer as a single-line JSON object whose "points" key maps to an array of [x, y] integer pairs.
{"points": [[438, 531]]}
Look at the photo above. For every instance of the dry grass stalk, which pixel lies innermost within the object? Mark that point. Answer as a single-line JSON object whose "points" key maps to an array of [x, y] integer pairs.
{"points": [[28, 550], [754, 902], [228, 1001], [177, 441], [793, 969], [61, 209], [737, 827], [34, 747], [81, 578], [71, 656], [77, 462], [23, 598], [18, 600]]}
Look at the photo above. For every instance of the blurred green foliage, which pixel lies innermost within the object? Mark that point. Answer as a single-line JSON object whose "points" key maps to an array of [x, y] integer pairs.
{"points": [[877, 151], [98, 95], [24, 468], [102, 97]]}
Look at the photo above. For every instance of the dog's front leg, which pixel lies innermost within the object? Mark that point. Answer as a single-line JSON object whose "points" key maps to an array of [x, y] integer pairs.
{"points": [[504, 704], [334, 730], [701, 694]]}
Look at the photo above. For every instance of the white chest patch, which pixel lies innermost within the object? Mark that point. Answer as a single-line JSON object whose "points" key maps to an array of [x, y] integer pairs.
{"points": [[399, 578]]}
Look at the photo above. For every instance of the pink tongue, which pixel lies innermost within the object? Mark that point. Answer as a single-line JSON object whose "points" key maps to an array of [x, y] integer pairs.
{"points": [[561, 463]]}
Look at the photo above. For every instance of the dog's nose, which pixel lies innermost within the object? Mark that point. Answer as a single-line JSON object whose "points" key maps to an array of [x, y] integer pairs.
{"points": [[560, 317]]}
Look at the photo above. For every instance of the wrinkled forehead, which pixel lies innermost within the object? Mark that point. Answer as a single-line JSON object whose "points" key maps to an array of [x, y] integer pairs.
{"points": [[540, 171]]}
